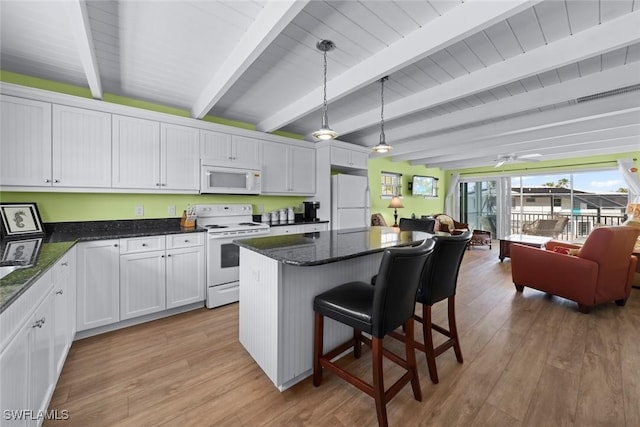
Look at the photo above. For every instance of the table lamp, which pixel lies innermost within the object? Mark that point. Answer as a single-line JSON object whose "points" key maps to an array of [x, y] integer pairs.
{"points": [[395, 203]]}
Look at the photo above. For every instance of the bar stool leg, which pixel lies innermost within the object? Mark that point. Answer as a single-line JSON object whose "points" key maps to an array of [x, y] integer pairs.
{"points": [[453, 329], [378, 381], [357, 343], [428, 343], [411, 359]]}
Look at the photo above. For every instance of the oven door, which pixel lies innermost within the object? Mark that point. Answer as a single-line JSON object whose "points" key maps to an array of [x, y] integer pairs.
{"points": [[223, 265]]}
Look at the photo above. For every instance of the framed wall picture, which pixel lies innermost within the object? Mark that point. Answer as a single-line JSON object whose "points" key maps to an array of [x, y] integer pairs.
{"points": [[20, 219], [23, 251]]}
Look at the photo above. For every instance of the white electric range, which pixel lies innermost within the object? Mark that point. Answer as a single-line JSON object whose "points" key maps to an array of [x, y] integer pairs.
{"points": [[226, 223]]}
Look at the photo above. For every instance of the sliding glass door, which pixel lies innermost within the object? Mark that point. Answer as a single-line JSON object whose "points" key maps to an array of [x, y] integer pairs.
{"points": [[478, 205]]}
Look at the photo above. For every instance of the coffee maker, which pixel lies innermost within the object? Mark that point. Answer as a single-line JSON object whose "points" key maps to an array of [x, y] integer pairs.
{"points": [[311, 211]]}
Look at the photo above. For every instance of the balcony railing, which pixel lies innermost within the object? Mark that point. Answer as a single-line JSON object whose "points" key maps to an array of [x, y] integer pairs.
{"points": [[578, 226]]}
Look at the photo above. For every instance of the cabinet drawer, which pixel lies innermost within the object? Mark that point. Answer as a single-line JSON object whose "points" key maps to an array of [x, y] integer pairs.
{"points": [[142, 244], [185, 240], [309, 228]]}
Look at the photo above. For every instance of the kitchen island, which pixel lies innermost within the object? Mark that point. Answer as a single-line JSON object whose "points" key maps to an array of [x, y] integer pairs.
{"points": [[280, 276]]}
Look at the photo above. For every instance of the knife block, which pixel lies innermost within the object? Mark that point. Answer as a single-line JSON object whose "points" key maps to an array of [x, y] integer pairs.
{"points": [[185, 223]]}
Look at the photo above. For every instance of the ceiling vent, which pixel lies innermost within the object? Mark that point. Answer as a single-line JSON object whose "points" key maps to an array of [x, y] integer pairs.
{"points": [[608, 93]]}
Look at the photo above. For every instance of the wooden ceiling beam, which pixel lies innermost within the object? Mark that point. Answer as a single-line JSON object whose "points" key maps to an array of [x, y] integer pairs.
{"points": [[79, 23], [462, 21], [275, 16], [585, 44]]}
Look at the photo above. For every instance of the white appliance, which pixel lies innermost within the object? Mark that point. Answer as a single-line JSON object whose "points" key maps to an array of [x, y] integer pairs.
{"points": [[225, 223], [218, 179], [350, 206]]}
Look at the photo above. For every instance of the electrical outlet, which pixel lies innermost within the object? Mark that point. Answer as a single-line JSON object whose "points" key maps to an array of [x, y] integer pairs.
{"points": [[172, 210], [139, 210], [260, 209]]}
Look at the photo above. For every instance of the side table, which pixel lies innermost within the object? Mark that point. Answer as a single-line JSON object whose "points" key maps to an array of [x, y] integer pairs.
{"points": [[522, 239]]}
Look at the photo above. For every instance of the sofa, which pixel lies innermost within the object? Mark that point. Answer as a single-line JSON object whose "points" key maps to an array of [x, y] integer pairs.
{"points": [[444, 223], [599, 271]]}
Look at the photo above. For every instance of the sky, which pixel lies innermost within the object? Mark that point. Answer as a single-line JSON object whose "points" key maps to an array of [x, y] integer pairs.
{"points": [[593, 182]]}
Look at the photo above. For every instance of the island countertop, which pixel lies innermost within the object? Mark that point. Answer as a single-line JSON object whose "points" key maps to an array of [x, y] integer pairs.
{"points": [[323, 247]]}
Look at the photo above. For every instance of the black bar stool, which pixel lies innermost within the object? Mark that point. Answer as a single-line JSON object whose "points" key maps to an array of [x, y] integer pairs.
{"points": [[375, 310], [439, 283]]}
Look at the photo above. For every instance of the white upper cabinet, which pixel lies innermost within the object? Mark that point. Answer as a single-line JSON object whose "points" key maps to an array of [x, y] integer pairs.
{"points": [[233, 150], [150, 155], [136, 153], [81, 148], [287, 169], [180, 166], [346, 159], [25, 142]]}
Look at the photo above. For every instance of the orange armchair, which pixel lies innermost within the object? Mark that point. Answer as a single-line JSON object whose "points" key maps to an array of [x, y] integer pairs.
{"points": [[602, 271]]}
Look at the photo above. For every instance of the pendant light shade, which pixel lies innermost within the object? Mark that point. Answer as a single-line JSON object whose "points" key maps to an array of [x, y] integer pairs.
{"points": [[325, 132], [382, 146]]}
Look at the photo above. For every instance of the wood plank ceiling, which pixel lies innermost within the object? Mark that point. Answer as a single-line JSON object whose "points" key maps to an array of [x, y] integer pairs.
{"points": [[469, 81]]}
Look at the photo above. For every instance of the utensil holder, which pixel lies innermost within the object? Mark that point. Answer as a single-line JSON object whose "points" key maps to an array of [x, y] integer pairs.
{"points": [[185, 222]]}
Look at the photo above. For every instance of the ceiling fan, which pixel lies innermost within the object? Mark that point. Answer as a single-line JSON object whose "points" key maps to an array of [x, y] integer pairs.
{"points": [[510, 158]]}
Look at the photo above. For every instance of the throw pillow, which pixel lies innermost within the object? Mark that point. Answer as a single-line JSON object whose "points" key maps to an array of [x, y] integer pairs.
{"points": [[561, 249]]}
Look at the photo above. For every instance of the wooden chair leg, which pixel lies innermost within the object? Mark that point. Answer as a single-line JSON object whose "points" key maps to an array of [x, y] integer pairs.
{"points": [[357, 343], [378, 381], [317, 349], [411, 360], [453, 329], [428, 343]]}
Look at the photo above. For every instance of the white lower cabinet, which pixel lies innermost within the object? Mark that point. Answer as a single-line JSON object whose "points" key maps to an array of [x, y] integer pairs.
{"points": [[26, 363], [169, 275], [64, 308], [185, 276], [142, 284], [299, 228], [98, 295]]}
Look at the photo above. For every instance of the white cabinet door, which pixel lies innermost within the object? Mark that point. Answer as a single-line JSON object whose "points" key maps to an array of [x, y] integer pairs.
{"points": [[41, 380], [14, 371], [98, 278], [303, 170], [64, 308], [185, 276], [288, 169], [349, 159], [25, 142], [142, 284], [180, 160], [246, 152], [136, 153], [215, 146], [275, 168], [81, 148]]}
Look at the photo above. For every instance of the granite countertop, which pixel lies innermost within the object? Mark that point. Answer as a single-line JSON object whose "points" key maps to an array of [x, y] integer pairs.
{"points": [[60, 237], [323, 247]]}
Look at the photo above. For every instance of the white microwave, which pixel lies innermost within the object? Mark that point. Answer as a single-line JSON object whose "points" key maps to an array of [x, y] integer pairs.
{"points": [[229, 180]]}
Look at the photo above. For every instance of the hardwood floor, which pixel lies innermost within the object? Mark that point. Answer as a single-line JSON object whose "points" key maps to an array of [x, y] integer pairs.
{"points": [[529, 360]]}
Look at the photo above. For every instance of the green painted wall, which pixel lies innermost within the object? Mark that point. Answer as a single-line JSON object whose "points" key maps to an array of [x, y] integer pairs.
{"points": [[68, 207], [418, 205]]}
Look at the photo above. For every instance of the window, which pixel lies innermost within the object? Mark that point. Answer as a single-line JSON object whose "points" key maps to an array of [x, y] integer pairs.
{"points": [[391, 184], [557, 202]]}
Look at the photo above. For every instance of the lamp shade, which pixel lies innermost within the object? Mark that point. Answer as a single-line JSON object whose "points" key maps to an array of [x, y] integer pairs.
{"points": [[395, 202]]}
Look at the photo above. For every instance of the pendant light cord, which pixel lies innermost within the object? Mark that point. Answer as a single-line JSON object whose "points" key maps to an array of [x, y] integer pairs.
{"points": [[324, 85], [382, 136]]}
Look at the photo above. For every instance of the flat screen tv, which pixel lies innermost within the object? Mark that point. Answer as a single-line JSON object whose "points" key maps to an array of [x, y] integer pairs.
{"points": [[424, 186]]}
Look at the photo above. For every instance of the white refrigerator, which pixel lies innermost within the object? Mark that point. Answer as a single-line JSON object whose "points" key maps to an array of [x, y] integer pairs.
{"points": [[350, 207]]}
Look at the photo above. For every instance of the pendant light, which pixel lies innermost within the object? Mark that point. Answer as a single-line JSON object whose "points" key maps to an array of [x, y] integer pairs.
{"points": [[325, 132], [382, 146]]}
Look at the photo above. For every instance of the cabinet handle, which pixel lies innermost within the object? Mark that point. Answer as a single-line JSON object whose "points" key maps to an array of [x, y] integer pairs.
{"points": [[47, 180], [157, 184], [115, 245], [186, 240], [60, 292], [144, 244], [56, 180], [161, 256], [168, 255], [64, 264], [38, 323], [163, 185]]}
